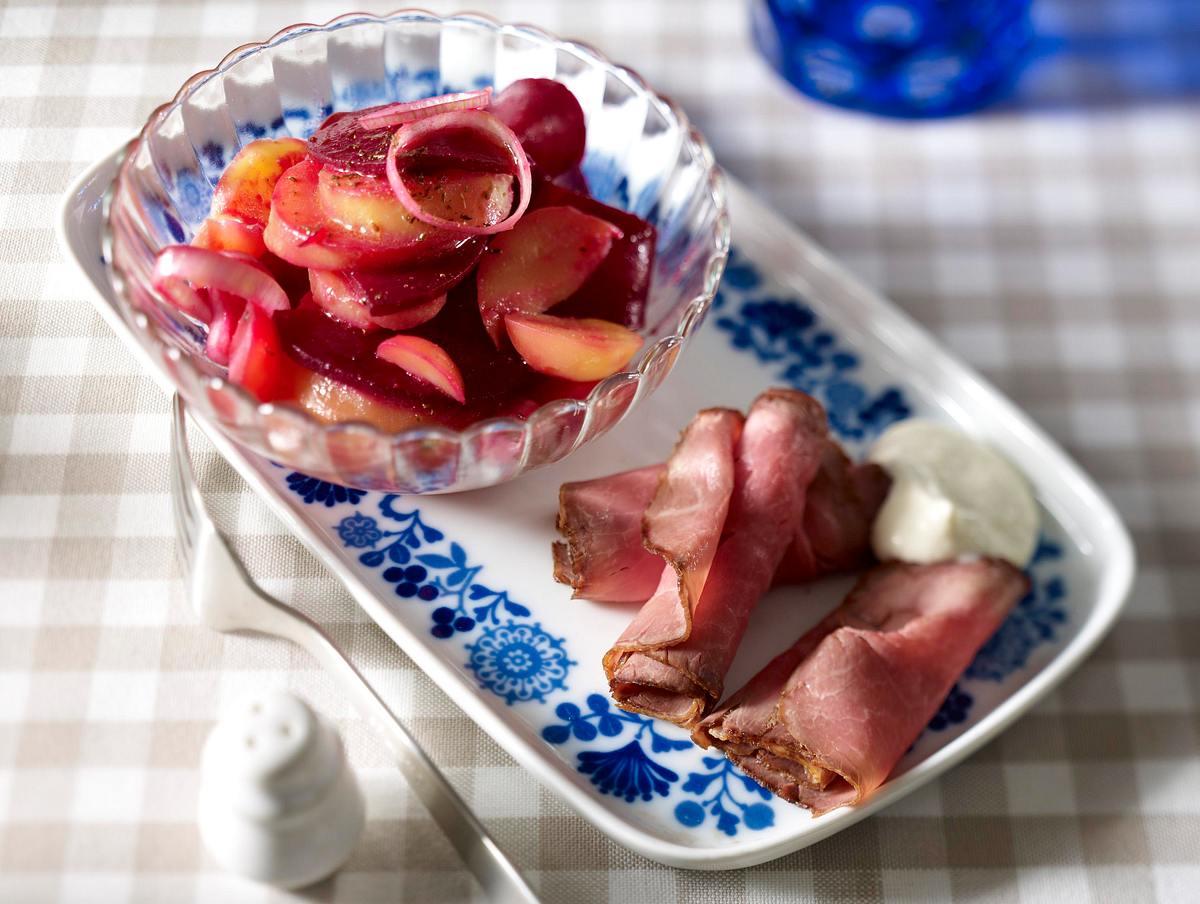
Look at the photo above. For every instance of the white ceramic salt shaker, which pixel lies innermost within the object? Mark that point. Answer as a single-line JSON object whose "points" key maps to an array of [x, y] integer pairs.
{"points": [[278, 801]]}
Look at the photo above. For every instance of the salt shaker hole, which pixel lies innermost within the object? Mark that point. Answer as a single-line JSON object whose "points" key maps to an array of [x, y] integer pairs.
{"points": [[249, 742]]}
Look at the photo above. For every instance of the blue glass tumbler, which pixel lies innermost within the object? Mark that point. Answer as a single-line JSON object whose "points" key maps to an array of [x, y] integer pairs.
{"points": [[908, 58]]}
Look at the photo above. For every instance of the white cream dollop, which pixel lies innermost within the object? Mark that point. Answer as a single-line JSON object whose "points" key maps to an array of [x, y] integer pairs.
{"points": [[951, 496]]}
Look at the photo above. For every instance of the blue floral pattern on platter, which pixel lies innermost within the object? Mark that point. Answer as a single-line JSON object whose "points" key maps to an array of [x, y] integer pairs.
{"points": [[626, 771], [312, 490], [736, 799], [786, 334], [953, 711], [519, 661], [511, 654]]}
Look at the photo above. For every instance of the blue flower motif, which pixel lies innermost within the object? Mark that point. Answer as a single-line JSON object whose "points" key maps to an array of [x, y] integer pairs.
{"points": [[359, 531], [363, 93], [192, 194], [412, 534], [740, 273], [787, 332], [312, 490], [519, 661], [418, 571], [603, 719], [736, 800], [607, 181], [406, 85], [212, 157], [953, 711], [627, 772]]}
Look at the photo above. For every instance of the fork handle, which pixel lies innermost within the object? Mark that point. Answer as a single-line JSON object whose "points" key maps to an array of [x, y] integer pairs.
{"points": [[501, 881]]}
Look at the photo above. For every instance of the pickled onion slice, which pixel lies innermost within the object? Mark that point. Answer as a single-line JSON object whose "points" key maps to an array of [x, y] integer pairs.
{"points": [[411, 137], [226, 312], [392, 115], [217, 271]]}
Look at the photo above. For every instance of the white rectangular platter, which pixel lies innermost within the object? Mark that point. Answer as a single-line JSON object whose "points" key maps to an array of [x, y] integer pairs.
{"points": [[463, 583]]}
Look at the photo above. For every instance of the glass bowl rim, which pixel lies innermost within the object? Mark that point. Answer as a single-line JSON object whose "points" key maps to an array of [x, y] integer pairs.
{"points": [[694, 309]]}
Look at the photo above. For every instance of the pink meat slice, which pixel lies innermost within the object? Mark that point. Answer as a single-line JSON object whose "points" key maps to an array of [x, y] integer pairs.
{"points": [[835, 534], [826, 721], [601, 556], [684, 520], [673, 670], [682, 525]]}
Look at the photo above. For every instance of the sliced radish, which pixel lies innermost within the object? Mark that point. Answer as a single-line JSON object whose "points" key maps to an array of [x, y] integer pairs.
{"points": [[368, 207], [334, 402], [342, 143], [426, 361], [461, 196], [332, 295]]}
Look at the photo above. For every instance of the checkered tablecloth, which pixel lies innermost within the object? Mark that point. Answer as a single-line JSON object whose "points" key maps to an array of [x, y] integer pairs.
{"points": [[1054, 243]]}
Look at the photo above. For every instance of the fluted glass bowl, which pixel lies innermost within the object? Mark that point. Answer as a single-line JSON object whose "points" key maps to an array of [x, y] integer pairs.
{"points": [[642, 155]]}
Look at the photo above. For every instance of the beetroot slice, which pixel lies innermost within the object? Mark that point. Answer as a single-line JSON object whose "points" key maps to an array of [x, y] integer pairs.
{"points": [[343, 144], [461, 149], [547, 118], [388, 291], [617, 290], [573, 180], [346, 146], [493, 380]]}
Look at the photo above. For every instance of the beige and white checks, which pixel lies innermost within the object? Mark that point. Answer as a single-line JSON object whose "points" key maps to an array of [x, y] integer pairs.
{"points": [[1054, 243]]}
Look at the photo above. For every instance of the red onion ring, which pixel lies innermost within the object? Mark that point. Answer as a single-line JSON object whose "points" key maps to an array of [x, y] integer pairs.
{"points": [[226, 312], [200, 268], [184, 298], [490, 127], [393, 115]]}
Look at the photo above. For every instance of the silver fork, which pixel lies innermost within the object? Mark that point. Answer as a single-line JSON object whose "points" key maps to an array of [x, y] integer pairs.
{"points": [[227, 599]]}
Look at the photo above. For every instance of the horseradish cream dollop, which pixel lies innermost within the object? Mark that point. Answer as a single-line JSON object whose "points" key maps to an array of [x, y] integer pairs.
{"points": [[951, 496]]}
